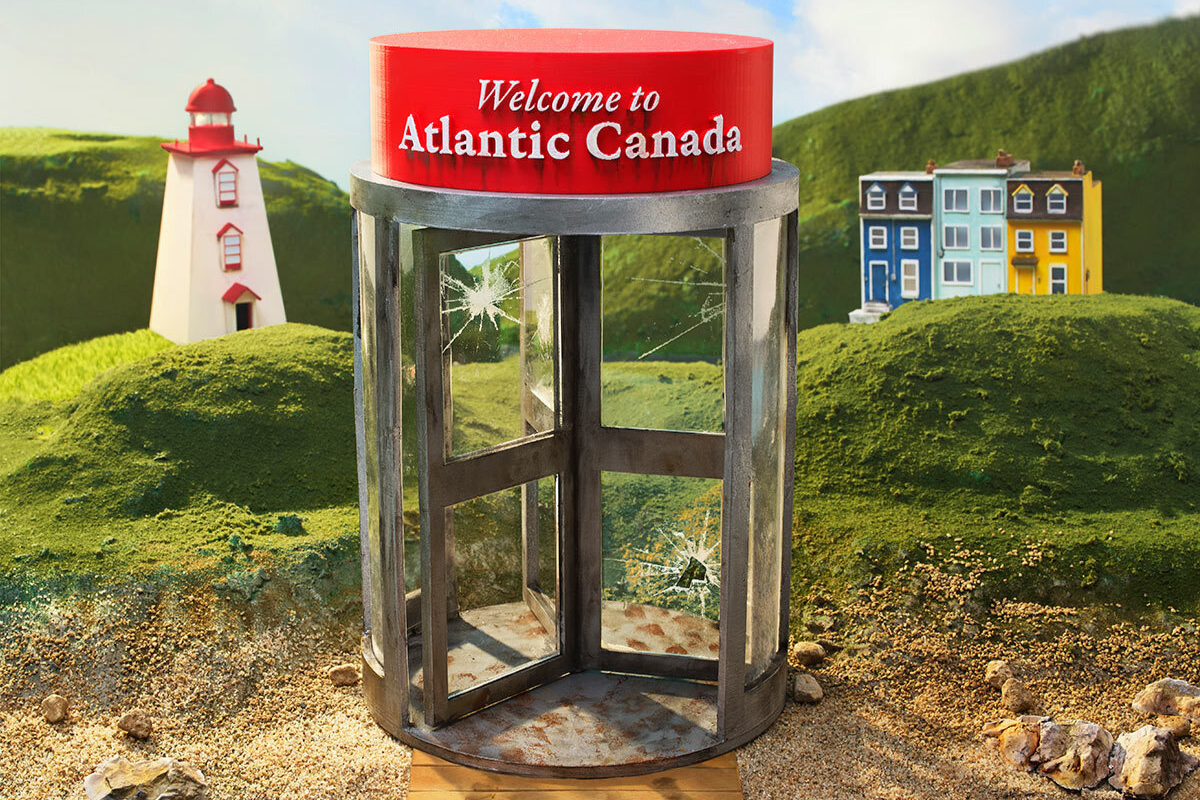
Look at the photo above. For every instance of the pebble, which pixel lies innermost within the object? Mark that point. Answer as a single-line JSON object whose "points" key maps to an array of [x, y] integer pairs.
{"points": [[806, 689], [344, 675], [808, 654], [136, 724], [55, 708], [1015, 696], [996, 673]]}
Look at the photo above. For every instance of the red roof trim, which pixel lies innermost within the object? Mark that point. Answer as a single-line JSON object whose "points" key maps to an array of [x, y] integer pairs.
{"points": [[237, 290], [223, 162], [226, 227], [185, 148]]}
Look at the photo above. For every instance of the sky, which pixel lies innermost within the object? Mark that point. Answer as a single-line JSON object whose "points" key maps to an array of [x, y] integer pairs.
{"points": [[297, 69]]}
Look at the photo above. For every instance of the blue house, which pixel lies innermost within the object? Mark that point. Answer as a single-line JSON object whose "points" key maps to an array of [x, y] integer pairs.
{"points": [[896, 234]]}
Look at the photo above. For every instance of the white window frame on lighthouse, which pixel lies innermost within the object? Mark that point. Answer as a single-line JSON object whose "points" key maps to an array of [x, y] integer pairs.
{"points": [[225, 183], [231, 244]]}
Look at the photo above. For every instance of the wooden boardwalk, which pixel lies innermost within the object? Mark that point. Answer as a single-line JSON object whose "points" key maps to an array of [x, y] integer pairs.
{"points": [[436, 779]]}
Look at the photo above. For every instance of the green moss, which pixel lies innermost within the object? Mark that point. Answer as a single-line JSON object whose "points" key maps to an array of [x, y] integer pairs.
{"points": [[61, 373]]}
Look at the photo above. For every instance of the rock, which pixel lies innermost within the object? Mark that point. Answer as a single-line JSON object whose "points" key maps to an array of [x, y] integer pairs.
{"points": [[344, 675], [805, 689], [1075, 756], [164, 779], [1170, 698], [808, 653], [1015, 697], [1180, 726], [830, 647], [996, 673], [54, 708], [1148, 762], [1016, 740], [136, 724]]}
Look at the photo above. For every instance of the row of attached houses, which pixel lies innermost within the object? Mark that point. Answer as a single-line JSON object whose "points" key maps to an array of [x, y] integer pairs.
{"points": [[977, 227]]}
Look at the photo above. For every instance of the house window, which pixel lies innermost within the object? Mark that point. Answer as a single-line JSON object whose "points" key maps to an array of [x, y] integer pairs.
{"points": [[991, 201], [1058, 279], [908, 198], [876, 198], [954, 200], [230, 239], [226, 185], [1056, 201], [956, 237], [956, 272], [1023, 201], [909, 284], [991, 237], [878, 237], [1024, 241], [909, 238], [1058, 241]]}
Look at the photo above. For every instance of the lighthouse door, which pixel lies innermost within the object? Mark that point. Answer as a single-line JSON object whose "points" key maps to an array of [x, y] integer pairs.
{"points": [[245, 320]]}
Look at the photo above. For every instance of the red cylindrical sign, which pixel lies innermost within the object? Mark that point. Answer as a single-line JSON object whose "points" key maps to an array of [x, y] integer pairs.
{"points": [[571, 111]]}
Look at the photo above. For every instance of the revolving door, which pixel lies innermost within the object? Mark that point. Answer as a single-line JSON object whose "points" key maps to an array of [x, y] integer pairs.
{"points": [[575, 418]]}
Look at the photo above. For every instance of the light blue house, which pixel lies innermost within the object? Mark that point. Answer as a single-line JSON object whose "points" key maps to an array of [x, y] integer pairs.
{"points": [[896, 235], [970, 234]]}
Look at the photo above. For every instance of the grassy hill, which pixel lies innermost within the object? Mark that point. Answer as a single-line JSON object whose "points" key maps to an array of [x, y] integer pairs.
{"points": [[80, 224], [1058, 438], [81, 210], [1127, 103]]}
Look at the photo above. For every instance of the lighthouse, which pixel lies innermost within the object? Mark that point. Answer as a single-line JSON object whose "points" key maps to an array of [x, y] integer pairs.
{"points": [[215, 273]]}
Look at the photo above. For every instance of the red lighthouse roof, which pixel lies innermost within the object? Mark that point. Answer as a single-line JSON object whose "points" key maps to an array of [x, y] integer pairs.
{"points": [[210, 97], [211, 131]]}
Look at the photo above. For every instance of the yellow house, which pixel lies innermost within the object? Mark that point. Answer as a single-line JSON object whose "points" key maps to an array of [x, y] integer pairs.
{"points": [[1055, 235]]}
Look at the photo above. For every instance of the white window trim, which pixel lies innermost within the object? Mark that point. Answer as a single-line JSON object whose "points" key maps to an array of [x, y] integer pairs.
{"points": [[916, 236], [1018, 197], [946, 208], [874, 192], [916, 265], [946, 261], [1017, 241], [999, 238], [1051, 281], [1055, 249], [908, 193], [871, 231], [1052, 195], [1000, 193], [966, 246]]}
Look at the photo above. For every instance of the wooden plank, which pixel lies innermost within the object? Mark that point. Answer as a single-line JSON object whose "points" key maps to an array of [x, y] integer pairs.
{"points": [[723, 761], [654, 452], [581, 793], [426, 778], [566, 345], [789, 439], [735, 502]]}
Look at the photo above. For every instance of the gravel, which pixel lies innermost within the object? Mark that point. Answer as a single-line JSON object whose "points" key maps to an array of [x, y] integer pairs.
{"points": [[242, 691]]}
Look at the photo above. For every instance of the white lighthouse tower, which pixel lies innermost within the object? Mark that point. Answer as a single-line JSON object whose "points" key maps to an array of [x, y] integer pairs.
{"points": [[215, 272]]}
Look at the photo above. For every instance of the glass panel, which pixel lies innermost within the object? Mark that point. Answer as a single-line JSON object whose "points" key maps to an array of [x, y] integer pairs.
{"points": [[662, 564], [495, 631], [540, 526], [491, 296], [768, 410], [663, 332]]}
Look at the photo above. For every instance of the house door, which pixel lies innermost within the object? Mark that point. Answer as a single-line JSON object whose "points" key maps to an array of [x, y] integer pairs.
{"points": [[879, 281], [991, 277], [245, 320]]}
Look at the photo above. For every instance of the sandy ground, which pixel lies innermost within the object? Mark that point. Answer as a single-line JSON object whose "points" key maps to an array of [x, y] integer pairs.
{"points": [[240, 690]]}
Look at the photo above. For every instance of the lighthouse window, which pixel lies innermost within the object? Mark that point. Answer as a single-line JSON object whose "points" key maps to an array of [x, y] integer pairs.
{"points": [[231, 251], [227, 186], [210, 118]]}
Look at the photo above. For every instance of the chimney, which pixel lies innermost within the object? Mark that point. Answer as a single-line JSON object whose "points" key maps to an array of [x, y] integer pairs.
{"points": [[1078, 169], [1003, 158], [930, 167]]}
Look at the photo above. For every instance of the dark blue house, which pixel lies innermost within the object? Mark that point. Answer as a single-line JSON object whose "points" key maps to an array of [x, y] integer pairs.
{"points": [[896, 234]]}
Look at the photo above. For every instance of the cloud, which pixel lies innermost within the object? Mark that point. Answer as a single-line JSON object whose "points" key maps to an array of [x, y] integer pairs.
{"points": [[1185, 8]]}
